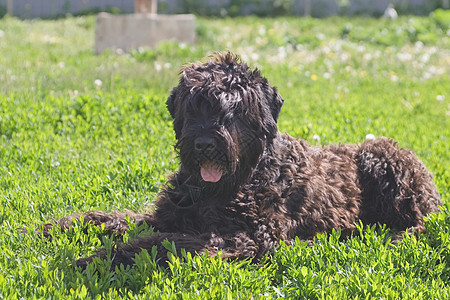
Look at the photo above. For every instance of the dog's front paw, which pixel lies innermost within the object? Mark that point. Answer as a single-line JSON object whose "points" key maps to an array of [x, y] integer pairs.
{"points": [[83, 262], [46, 230]]}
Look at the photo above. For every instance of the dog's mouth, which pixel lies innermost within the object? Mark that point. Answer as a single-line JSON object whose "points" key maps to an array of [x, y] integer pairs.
{"points": [[211, 172]]}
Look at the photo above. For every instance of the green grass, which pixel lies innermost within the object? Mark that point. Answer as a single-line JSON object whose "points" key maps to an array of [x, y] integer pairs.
{"points": [[70, 144]]}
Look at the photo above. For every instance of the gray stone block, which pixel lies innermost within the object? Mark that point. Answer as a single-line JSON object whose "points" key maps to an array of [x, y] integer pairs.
{"points": [[131, 31]]}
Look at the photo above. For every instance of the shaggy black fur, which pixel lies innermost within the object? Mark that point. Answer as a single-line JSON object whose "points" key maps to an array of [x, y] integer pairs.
{"points": [[243, 186]]}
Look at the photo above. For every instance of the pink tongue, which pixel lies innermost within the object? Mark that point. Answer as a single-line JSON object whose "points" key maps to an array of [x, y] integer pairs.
{"points": [[210, 173]]}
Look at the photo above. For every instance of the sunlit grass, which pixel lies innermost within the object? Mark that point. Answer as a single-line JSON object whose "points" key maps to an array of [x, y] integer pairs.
{"points": [[81, 132]]}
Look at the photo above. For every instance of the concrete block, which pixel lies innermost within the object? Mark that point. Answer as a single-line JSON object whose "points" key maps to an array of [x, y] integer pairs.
{"points": [[139, 30]]}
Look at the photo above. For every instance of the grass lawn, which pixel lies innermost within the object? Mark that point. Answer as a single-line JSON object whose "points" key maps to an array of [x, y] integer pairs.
{"points": [[80, 132]]}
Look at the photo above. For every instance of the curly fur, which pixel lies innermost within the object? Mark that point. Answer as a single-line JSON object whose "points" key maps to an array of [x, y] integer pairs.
{"points": [[272, 187]]}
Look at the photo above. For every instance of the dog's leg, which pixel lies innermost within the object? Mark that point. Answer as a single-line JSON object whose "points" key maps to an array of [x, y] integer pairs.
{"points": [[232, 247], [125, 253], [398, 236], [397, 189], [113, 222]]}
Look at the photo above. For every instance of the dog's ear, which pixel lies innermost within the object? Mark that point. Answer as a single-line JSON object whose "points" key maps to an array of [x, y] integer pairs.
{"points": [[170, 103], [172, 107], [270, 112], [276, 104]]}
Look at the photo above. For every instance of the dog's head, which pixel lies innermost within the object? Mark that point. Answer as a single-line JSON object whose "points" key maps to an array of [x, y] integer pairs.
{"points": [[224, 115]]}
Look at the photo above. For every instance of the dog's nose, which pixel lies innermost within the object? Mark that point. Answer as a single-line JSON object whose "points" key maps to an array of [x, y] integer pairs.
{"points": [[204, 144]]}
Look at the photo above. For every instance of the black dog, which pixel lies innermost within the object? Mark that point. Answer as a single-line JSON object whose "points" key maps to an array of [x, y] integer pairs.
{"points": [[243, 186]]}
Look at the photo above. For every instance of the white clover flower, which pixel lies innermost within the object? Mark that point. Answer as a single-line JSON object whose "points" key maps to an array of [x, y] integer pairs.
{"points": [[367, 56], [394, 78], [425, 58], [254, 56], [404, 56], [262, 30], [316, 138], [344, 57], [98, 82], [282, 52], [158, 66], [370, 137], [50, 39], [310, 58], [426, 75], [440, 98], [432, 50], [326, 50], [73, 93], [361, 48], [435, 70], [418, 45], [299, 47], [337, 46]]}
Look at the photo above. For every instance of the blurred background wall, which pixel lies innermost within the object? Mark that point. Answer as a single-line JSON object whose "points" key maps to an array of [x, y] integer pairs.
{"points": [[317, 8]]}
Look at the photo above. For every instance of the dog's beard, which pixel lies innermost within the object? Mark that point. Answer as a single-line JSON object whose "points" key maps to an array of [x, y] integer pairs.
{"points": [[236, 152], [211, 165]]}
